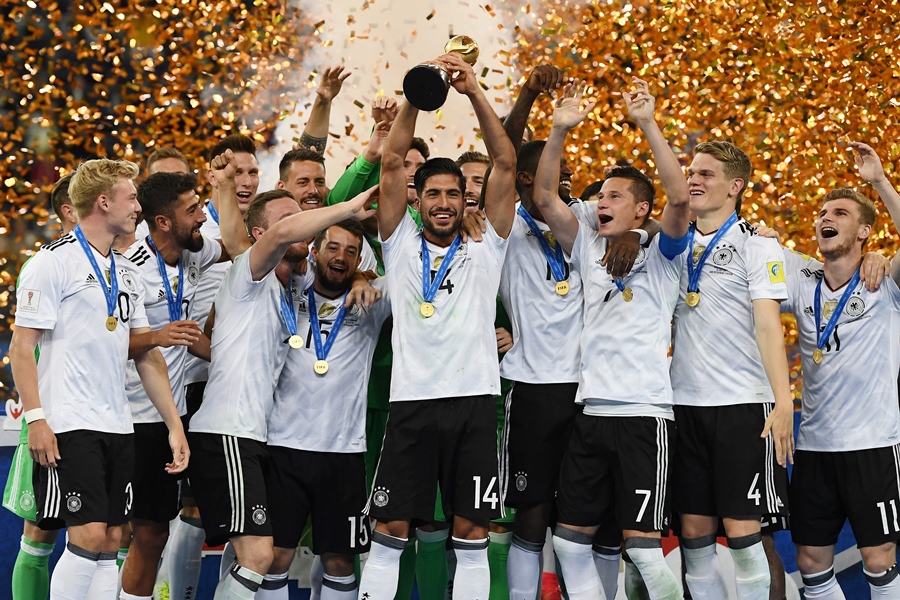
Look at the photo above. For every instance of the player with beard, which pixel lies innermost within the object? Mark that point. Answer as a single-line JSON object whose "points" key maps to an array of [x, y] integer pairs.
{"points": [[229, 429], [302, 173], [733, 403], [474, 166], [848, 446], [416, 156], [442, 426], [31, 575], [316, 437], [171, 259], [84, 323], [185, 546]]}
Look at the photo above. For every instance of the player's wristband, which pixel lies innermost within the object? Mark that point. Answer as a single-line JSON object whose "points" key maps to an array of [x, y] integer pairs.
{"points": [[35, 414], [644, 235]]}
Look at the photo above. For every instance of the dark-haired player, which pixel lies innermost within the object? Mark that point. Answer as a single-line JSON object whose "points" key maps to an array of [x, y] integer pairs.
{"points": [[442, 425]]}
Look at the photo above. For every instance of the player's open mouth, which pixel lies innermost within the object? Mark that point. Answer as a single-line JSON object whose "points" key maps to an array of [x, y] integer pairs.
{"points": [[411, 185], [442, 217], [566, 183], [471, 201], [604, 219], [311, 201], [337, 268], [697, 192], [829, 232], [243, 196]]}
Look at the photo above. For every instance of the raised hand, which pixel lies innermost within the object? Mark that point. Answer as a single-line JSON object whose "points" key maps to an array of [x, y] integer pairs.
{"points": [[332, 80], [544, 78], [223, 167], [375, 149], [640, 102], [384, 108], [867, 162], [462, 74], [362, 204], [567, 112]]}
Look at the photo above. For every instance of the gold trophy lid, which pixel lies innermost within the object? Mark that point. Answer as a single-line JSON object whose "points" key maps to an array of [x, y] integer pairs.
{"points": [[464, 46]]}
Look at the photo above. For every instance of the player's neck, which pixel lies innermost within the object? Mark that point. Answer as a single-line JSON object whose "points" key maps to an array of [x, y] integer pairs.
{"points": [[532, 209], [838, 271], [97, 233], [442, 241], [167, 247], [283, 271], [325, 292], [712, 220]]}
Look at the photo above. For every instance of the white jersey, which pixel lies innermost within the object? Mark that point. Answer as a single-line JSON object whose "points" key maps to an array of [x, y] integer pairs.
{"points": [[327, 413], [715, 359], [625, 345], [545, 325], [196, 369], [141, 230], [81, 374], [157, 308], [850, 399], [454, 352], [249, 345]]}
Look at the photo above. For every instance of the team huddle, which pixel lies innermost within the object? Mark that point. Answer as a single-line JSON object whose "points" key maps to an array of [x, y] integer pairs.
{"points": [[434, 361]]}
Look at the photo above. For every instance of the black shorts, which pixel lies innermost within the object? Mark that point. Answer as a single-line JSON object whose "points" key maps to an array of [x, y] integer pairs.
{"points": [[157, 495], [619, 463], [228, 482], [828, 488], [331, 487], [539, 420], [91, 482], [451, 441], [722, 467]]}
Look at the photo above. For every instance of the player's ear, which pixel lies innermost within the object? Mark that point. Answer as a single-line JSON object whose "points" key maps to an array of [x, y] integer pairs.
{"points": [[524, 177]]}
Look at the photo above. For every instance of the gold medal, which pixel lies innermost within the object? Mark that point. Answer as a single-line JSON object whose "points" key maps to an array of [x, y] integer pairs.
{"points": [[427, 309], [562, 288], [692, 299], [627, 295], [321, 367], [111, 323], [295, 341], [818, 356]]}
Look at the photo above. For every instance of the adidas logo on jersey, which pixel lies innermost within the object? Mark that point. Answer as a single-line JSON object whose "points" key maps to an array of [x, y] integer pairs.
{"points": [[91, 279], [161, 295]]}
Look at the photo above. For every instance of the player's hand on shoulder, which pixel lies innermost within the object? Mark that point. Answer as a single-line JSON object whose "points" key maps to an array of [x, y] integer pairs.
{"points": [[873, 270], [567, 112], [473, 226], [42, 443], [780, 424], [763, 230], [621, 254], [178, 333], [181, 454], [361, 293]]}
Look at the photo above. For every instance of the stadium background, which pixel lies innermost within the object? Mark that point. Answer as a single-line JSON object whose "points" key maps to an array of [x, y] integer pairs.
{"points": [[789, 82]]}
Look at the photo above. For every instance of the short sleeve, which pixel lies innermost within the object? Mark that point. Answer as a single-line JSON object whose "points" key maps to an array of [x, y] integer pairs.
{"points": [[794, 263], [239, 278], [382, 309], [764, 261], [670, 267], [405, 233], [580, 247], [138, 318], [586, 213], [496, 244], [40, 291], [210, 253]]}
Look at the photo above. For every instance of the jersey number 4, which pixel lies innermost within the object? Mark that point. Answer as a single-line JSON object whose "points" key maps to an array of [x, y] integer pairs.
{"points": [[446, 284]]}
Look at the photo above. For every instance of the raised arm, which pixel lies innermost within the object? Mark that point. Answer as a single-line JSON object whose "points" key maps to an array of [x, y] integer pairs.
{"points": [[392, 203], [315, 134], [231, 222], [499, 197], [871, 170], [543, 78], [272, 245], [566, 115], [676, 215]]}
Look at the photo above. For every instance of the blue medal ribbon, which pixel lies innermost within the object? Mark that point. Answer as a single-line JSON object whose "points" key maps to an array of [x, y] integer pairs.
{"points": [[111, 292], [175, 304], [213, 212], [620, 284], [694, 271], [554, 257], [429, 287], [322, 350], [287, 308], [832, 321]]}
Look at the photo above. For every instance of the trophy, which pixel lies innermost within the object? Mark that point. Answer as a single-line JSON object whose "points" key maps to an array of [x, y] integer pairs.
{"points": [[426, 85]]}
